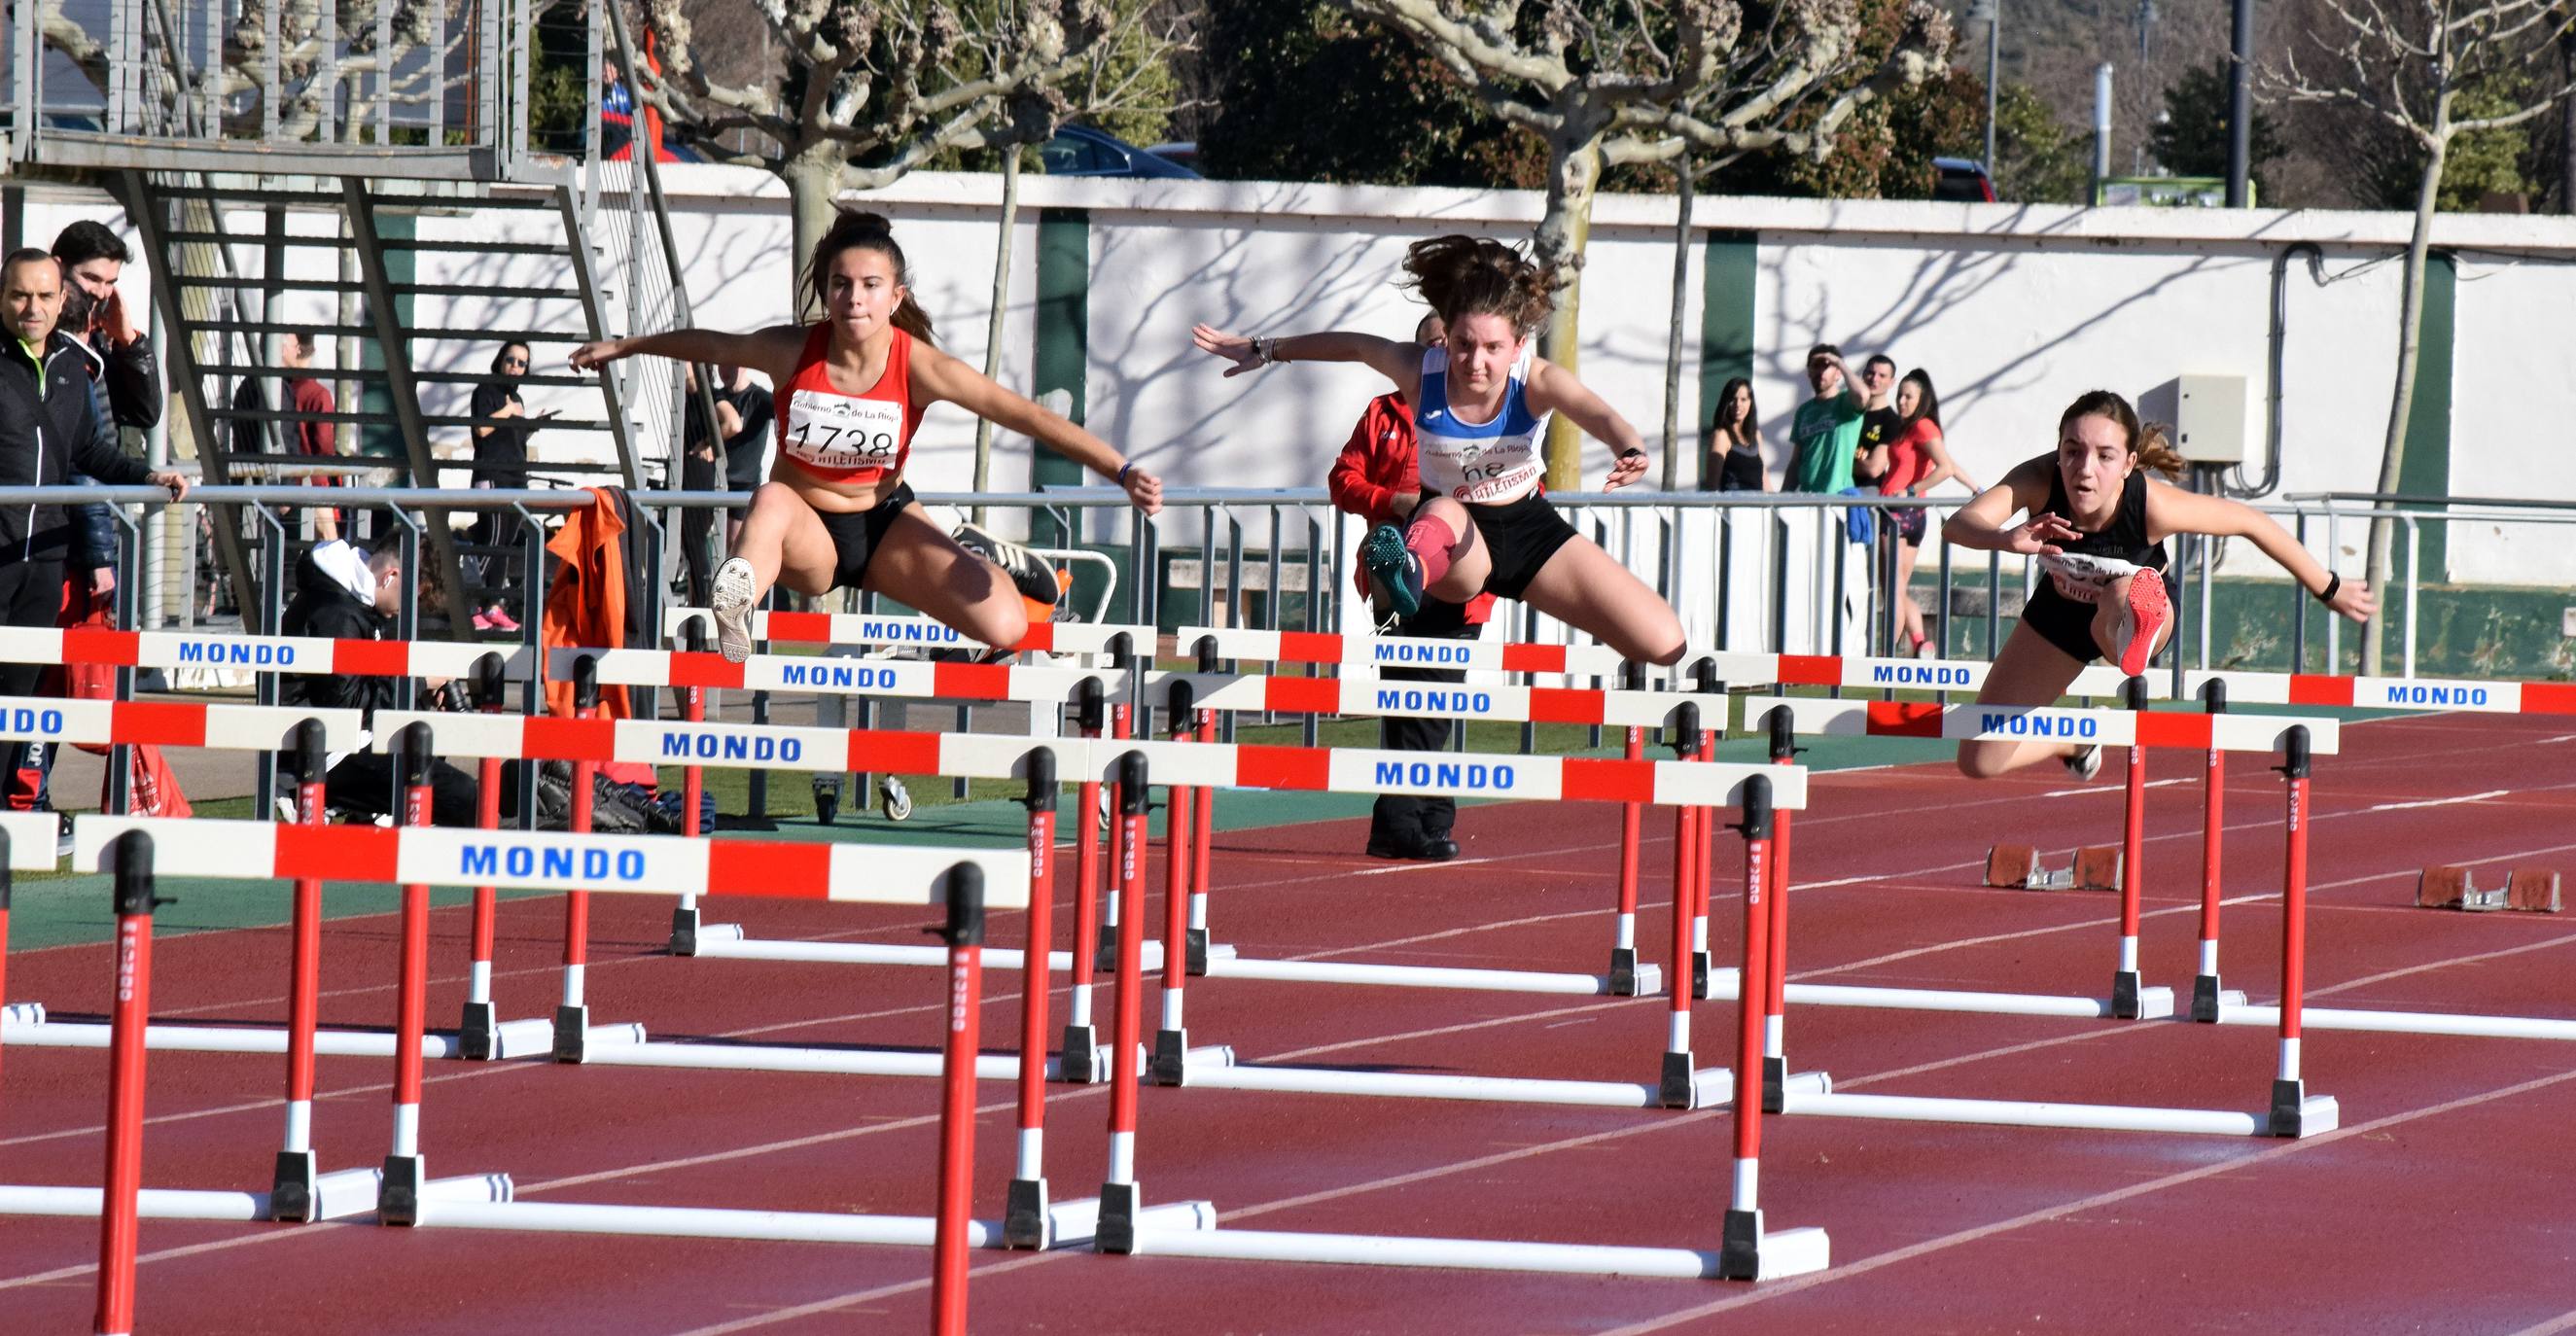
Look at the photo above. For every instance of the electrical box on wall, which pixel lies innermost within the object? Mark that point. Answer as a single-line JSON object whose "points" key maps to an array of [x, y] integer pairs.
{"points": [[2208, 417]]}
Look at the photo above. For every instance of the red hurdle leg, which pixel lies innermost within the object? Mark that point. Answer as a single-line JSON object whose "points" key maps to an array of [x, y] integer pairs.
{"points": [[1706, 820], [572, 1018], [1119, 1194], [693, 786], [1121, 720], [1675, 1088], [1739, 1257], [2213, 834], [1201, 840], [2294, 1112], [291, 1187], [965, 936], [2125, 984], [1623, 941], [1076, 1055], [398, 1195], [1180, 835], [478, 1030], [120, 1208], [1024, 1220], [1775, 1010]]}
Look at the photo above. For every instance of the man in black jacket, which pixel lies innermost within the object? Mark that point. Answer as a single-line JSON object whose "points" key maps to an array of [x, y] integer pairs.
{"points": [[47, 432], [347, 593], [125, 384]]}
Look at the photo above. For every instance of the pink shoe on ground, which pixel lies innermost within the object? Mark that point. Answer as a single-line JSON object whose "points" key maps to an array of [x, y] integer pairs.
{"points": [[498, 620], [2148, 608], [483, 621]]}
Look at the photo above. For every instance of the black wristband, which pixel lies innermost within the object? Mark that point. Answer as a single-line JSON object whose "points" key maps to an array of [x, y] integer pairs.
{"points": [[2334, 586], [1633, 452]]}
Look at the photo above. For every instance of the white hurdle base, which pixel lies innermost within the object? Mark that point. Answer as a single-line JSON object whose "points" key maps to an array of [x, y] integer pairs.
{"points": [[1649, 977], [2023, 1113], [1069, 1224], [852, 1061], [340, 1195], [1787, 1253], [1710, 1087], [725, 941], [22, 1013], [2153, 1003], [2404, 1022], [511, 1039]]}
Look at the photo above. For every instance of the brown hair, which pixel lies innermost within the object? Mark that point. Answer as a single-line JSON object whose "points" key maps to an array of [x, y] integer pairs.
{"points": [[1461, 276], [857, 229], [2145, 440]]}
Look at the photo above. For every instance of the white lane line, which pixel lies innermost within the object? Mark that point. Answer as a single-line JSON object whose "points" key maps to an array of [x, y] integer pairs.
{"points": [[2442, 802]]}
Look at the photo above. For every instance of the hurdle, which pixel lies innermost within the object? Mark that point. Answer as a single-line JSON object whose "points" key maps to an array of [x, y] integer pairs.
{"points": [[1747, 1250]]}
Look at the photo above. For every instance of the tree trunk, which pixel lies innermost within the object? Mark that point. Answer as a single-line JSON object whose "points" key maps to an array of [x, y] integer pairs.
{"points": [[1573, 176], [1680, 305], [2410, 329], [1001, 307], [813, 179]]}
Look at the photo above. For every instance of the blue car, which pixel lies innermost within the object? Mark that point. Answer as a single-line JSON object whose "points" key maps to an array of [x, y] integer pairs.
{"points": [[1079, 150]]}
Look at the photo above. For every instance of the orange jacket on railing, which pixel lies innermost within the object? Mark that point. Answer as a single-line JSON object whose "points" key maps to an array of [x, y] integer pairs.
{"points": [[586, 606]]}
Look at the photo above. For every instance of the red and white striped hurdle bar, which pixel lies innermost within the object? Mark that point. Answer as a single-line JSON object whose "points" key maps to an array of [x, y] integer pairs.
{"points": [[2035, 723], [1400, 651], [223, 727], [556, 861], [265, 654], [1204, 764], [2391, 693], [911, 679], [862, 628]]}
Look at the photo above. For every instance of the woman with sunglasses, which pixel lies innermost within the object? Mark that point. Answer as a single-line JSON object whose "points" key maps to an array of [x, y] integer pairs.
{"points": [[502, 427]]}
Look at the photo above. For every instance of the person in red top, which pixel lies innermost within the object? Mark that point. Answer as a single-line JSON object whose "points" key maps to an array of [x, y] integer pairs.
{"points": [[1379, 479], [836, 512], [1918, 460]]}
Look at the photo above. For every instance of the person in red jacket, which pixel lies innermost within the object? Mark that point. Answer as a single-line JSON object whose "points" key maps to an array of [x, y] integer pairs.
{"points": [[1378, 479]]}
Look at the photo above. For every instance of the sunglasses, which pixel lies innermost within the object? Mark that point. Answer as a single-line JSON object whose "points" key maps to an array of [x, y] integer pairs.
{"points": [[514, 361]]}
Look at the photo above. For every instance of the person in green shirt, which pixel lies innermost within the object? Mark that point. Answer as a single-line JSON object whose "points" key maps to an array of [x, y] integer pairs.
{"points": [[1826, 430]]}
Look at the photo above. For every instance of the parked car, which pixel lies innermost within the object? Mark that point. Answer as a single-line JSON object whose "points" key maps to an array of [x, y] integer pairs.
{"points": [[1961, 181], [1079, 150]]}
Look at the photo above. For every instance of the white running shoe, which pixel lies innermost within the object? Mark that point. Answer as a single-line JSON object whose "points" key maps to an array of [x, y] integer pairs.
{"points": [[731, 600], [2085, 764]]}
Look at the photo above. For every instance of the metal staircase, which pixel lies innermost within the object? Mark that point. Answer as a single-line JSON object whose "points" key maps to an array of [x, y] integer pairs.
{"points": [[375, 186]]}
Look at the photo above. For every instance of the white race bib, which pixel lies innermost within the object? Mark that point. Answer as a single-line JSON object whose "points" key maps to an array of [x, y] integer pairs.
{"points": [[838, 434], [2080, 578]]}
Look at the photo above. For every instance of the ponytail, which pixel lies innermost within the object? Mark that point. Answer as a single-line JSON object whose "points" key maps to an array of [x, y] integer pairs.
{"points": [[2157, 453], [858, 229], [1460, 275]]}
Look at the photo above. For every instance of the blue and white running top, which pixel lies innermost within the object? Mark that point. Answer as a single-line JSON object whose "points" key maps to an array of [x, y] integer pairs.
{"points": [[1479, 462]]}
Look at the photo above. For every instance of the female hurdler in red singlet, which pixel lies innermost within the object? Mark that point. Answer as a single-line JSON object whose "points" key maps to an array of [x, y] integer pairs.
{"points": [[836, 512]]}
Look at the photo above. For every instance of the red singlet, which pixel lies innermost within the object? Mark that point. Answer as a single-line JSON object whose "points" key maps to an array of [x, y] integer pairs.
{"points": [[851, 439]]}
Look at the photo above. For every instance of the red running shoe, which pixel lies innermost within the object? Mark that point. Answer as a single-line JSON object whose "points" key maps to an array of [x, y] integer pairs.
{"points": [[2145, 615]]}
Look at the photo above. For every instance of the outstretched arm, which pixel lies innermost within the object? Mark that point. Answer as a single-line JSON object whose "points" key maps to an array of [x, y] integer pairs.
{"points": [[1986, 522], [1553, 389], [773, 350], [1397, 360], [936, 375], [2171, 510]]}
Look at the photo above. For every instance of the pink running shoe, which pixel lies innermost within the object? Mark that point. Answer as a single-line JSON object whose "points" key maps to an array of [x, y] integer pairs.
{"points": [[2141, 620], [483, 621], [501, 621]]}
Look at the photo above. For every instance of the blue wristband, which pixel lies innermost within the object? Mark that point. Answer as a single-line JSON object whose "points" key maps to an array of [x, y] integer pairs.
{"points": [[1123, 471]]}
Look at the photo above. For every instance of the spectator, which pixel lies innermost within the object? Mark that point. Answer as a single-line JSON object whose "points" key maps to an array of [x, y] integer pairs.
{"points": [[347, 593], [1917, 461], [747, 416], [1379, 479], [311, 433], [1735, 450], [1826, 430], [125, 384], [47, 430], [501, 432], [1878, 425]]}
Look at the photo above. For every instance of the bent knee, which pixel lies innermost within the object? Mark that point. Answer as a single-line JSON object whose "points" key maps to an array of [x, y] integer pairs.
{"points": [[1984, 760], [999, 622]]}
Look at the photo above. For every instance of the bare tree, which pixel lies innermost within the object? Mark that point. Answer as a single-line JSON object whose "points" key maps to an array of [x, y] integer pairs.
{"points": [[2407, 67], [1612, 82], [870, 91]]}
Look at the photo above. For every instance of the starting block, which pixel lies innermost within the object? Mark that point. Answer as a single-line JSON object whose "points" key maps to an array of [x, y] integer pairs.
{"points": [[2094, 868], [2457, 888]]}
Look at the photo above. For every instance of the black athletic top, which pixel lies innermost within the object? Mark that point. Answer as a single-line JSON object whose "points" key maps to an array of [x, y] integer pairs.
{"points": [[1740, 471], [2126, 538], [1878, 426]]}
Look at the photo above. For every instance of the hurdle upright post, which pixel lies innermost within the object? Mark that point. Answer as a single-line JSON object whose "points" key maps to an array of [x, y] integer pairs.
{"points": [[1674, 1089], [964, 936], [477, 1031], [1120, 1194], [6, 878], [2213, 827], [1783, 726], [398, 1193], [1077, 1057], [1623, 977], [1740, 1251], [2294, 1112], [2125, 983], [572, 1017], [1705, 820], [1122, 721], [1180, 831], [693, 782], [1203, 829], [292, 1185], [1024, 1217], [120, 1209]]}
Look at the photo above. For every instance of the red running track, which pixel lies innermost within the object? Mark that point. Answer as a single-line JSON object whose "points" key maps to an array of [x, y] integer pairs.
{"points": [[2450, 1148]]}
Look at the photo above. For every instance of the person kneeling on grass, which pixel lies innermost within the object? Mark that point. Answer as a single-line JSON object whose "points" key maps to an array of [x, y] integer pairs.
{"points": [[2098, 525]]}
